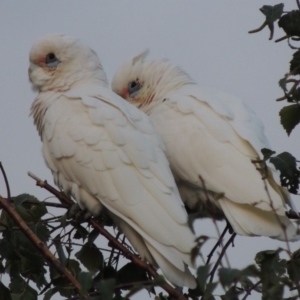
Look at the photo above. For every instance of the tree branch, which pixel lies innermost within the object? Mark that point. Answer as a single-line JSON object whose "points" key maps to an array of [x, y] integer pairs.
{"points": [[38, 243], [6, 181], [264, 24], [230, 241], [125, 251]]}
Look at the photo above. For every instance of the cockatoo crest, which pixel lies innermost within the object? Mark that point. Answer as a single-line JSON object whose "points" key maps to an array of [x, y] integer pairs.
{"points": [[145, 84]]}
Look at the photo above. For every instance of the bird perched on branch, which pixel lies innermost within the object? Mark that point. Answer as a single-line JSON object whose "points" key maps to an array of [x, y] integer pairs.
{"points": [[212, 136], [107, 155]]}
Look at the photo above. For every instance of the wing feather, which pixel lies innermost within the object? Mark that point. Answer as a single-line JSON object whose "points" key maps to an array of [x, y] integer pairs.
{"points": [[108, 162], [205, 139]]}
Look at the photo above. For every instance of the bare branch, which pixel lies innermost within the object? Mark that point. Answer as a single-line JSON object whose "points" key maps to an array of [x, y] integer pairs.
{"points": [[254, 286], [219, 243], [44, 184], [282, 38], [230, 241], [264, 24], [6, 181]]}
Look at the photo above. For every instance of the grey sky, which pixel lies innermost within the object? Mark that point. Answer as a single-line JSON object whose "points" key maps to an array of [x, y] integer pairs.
{"points": [[208, 39]]}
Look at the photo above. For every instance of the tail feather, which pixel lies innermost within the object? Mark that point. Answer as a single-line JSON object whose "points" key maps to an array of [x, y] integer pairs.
{"points": [[249, 220]]}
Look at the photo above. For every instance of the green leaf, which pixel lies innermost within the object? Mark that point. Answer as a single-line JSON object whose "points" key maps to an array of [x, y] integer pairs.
{"points": [[92, 236], [272, 269], [7, 249], [107, 272], [131, 273], [5, 220], [73, 266], [81, 232], [41, 231], [24, 214], [60, 250], [210, 287], [20, 199], [228, 276], [90, 256], [267, 153], [272, 13], [38, 211], [282, 83], [295, 63], [39, 279], [4, 292], [232, 294], [293, 268], [21, 290], [286, 164], [202, 274], [274, 293], [290, 23], [106, 288], [27, 257], [85, 279], [34, 210], [63, 220], [290, 117], [48, 295]]}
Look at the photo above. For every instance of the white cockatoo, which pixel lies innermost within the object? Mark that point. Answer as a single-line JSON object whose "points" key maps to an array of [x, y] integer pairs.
{"points": [[212, 136], [106, 154]]}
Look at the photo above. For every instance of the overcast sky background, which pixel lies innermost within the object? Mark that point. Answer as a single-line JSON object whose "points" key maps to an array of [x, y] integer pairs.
{"points": [[208, 39]]}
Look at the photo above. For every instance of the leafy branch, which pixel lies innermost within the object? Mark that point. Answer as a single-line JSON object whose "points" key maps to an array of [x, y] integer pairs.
{"points": [[97, 226]]}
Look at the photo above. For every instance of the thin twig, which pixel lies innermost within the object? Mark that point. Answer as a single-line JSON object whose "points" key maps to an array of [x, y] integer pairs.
{"points": [[44, 184], [6, 181], [117, 287], [248, 292], [282, 38], [264, 24], [125, 251], [212, 273], [209, 256], [113, 251], [50, 204]]}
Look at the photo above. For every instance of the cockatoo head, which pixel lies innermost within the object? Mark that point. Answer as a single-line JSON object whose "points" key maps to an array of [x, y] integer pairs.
{"points": [[58, 61], [146, 83]]}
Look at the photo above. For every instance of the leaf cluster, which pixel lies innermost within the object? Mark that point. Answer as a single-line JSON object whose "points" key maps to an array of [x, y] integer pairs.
{"points": [[31, 274], [289, 22], [286, 164]]}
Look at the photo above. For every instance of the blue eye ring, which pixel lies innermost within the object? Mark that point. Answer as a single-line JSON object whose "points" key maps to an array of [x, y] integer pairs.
{"points": [[51, 60], [134, 88]]}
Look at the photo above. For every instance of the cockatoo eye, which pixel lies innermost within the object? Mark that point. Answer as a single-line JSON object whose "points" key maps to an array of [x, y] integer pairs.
{"points": [[133, 88], [51, 60]]}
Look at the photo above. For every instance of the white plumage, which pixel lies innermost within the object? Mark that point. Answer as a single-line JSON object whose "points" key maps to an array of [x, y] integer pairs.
{"points": [[106, 154], [212, 135]]}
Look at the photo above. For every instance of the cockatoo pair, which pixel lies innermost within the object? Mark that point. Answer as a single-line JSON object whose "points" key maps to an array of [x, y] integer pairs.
{"points": [[107, 154]]}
